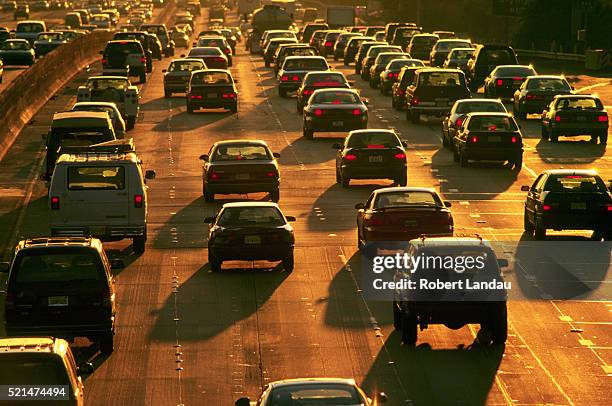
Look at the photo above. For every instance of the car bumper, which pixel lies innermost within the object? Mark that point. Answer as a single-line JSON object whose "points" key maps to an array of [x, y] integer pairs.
{"points": [[59, 330], [293, 86], [374, 171], [102, 232], [431, 110], [492, 154], [212, 103], [578, 128], [577, 220], [242, 187], [176, 86], [402, 234], [531, 107], [332, 124], [251, 252]]}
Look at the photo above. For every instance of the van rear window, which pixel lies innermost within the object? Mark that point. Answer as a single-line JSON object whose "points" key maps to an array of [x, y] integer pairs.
{"points": [[96, 178], [67, 267]]}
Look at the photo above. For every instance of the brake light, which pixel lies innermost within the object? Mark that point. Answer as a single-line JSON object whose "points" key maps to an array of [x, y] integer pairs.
{"points": [[104, 61], [530, 97], [546, 207], [458, 122], [474, 139], [517, 78], [375, 220], [143, 59], [227, 51], [328, 44], [214, 175], [318, 112], [357, 112], [307, 92], [195, 96], [602, 118], [557, 118], [401, 92], [271, 174], [399, 155], [295, 78], [396, 75], [284, 78], [375, 146], [350, 157], [500, 82], [514, 140], [138, 200], [414, 101], [229, 95], [55, 203]]}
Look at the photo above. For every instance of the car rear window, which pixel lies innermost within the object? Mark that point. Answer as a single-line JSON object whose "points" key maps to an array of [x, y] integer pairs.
{"points": [[448, 45], [50, 37], [399, 199], [461, 54], [26, 368], [324, 79], [375, 139], [29, 27], [250, 216], [498, 56], [492, 123], [205, 51], [183, 66], [335, 98], [240, 152], [96, 178], [574, 183], [55, 267], [438, 79], [212, 42], [316, 394], [211, 78], [579, 104], [521, 71], [82, 137], [480, 106], [300, 52], [407, 32], [547, 84], [103, 84], [297, 64], [126, 47], [398, 63], [424, 40], [15, 46]]}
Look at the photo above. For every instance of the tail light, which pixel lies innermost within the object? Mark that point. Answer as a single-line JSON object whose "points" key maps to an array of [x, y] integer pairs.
{"points": [[602, 118], [530, 97], [474, 139], [104, 61], [374, 220], [608, 207], [229, 95], [517, 78], [55, 203], [401, 92], [399, 155], [272, 174], [295, 78], [557, 118], [138, 200], [219, 59], [414, 101], [546, 207], [375, 146], [214, 176], [500, 82], [389, 75], [514, 140], [284, 78], [227, 51], [195, 96], [350, 157], [328, 44], [307, 92], [396, 75], [143, 59], [458, 122], [318, 112], [357, 112]]}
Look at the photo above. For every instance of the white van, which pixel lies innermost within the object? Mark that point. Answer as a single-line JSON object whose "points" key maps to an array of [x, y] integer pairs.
{"points": [[100, 191]]}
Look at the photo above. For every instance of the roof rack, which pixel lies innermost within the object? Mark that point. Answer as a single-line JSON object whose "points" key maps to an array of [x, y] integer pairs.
{"points": [[109, 147]]}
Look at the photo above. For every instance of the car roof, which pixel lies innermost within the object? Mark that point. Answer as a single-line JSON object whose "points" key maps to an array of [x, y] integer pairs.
{"points": [[250, 204], [79, 115], [405, 189], [545, 77], [372, 130], [577, 96], [212, 71], [451, 242], [315, 57], [46, 242], [428, 70], [229, 142], [97, 103], [306, 381], [489, 113], [337, 89], [588, 172], [479, 100], [187, 60], [514, 66], [33, 345], [107, 77]]}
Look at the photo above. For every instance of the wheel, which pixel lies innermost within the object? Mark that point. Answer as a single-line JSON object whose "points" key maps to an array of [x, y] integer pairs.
{"points": [[345, 181], [455, 155], [415, 117], [543, 132], [498, 324], [208, 196], [215, 264], [308, 134], [409, 328], [519, 113], [539, 230], [189, 108], [143, 78], [167, 94], [397, 316], [275, 196], [518, 163], [299, 108], [130, 123], [138, 244], [338, 178], [384, 90], [553, 136], [234, 108], [267, 64], [107, 343], [288, 263], [393, 104], [402, 180], [335, 58], [282, 92], [603, 137], [527, 226], [463, 161]]}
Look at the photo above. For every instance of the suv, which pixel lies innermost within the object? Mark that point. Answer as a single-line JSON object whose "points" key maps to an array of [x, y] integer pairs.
{"points": [[485, 59], [164, 37], [124, 58], [100, 191], [23, 358], [143, 38], [62, 287], [456, 307], [434, 91], [113, 89], [29, 30]]}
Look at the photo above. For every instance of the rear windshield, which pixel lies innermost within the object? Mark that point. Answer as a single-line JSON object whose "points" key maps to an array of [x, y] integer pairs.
{"points": [[65, 267], [103, 84], [96, 178], [29, 27], [335, 98], [301, 52], [548, 84], [399, 199], [399, 63], [492, 123], [211, 78], [424, 40], [521, 71], [481, 106], [373, 139], [316, 394], [185, 66], [15, 46], [579, 104], [574, 183], [205, 51], [212, 42], [32, 369], [325, 79], [50, 37], [498, 56], [407, 32], [298, 64], [240, 152], [448, 45], [156, 30], [251, 216], [280, 35], [383, 59], [437, 79], [462, 54], [124, 47], [374, 51]]}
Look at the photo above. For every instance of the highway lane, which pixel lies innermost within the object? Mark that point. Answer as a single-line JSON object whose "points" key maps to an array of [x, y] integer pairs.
{"points": [[250, 324]]}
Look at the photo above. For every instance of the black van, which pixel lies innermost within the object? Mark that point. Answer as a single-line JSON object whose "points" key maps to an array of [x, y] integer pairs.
{"points": [[486, 58]]}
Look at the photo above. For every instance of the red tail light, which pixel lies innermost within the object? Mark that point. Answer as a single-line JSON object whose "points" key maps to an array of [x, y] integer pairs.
{"points": [[195, 96], [375, 220], [307, 92], [55, 203], [104, 61], [138, 200], [458, 122], [318, 112], [514, 140], [219, 59], [295, 78], [389, 75], [474, 139], [375, 146], [602, 118], [284, 78], [357, 112], [396, 75], [414, 101], [401, 92], [214, 176], [229, 95], [530, 97], [399, 155], [557, 118], [227, 51], [143, 59], [517, 78], [271, 174], [350, 157], [546, 207], [500, 82], [328, 44]]}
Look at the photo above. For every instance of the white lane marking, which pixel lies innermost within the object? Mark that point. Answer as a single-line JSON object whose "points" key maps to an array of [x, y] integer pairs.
{"points": [[596, 85]]}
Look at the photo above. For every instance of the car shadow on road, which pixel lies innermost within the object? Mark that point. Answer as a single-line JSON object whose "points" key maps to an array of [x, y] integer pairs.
{"points": [[185, 229], [315, 151], [35, 223], [337, 206], [569, 151], [184, 121]]}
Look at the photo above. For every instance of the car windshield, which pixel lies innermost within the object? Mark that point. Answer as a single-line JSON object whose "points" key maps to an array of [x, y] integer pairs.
{"points": [[336, 98], [374, 51], [548, 84], [240, 152], [480, 106], [424, 40], [301, 52], [373, 140], [185, 66], [580, 104], [461, 54], [520, 71], [324, 79], [102, 18], [26, 368], [397, 64], [384, 58], [205, 51], [178, 35], [96, 178], [109, 110], [15, 46], [440, 79], [250, 216], [280, 35], [299, 64], [212, 42], [492, 123], [51, 37], [103, 84], [124, 47], [575, 183], [498, 56], [315, 394], [30, 27], [35, 267], [399, 199], [211, 78], [448, 45], [406, 32]]}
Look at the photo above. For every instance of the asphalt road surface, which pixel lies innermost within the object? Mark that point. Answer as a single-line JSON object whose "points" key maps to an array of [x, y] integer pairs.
{"points": [[188, 336]]}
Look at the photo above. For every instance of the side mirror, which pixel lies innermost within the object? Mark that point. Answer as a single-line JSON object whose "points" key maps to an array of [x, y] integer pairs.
{"points": [[243, 402], [502, 262], [150, 174], [4, 267], [164, 70], [405, 144], [524, 188], [204, 157], [365, 101], [276, 155], [337, 145], [360, 206], [290, 218], [209, 220], [448, 204], [117, 263], [86, 368]]}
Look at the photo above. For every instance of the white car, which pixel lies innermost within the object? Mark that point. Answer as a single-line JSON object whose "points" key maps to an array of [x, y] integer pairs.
{"points": [[110, 108], [113, 89]]}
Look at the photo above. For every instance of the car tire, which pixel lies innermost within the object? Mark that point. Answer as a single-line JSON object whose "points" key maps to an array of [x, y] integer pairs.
{"points": [[544, 132], [208, 196], [266, 64], [603, 137], [553, 136], [371, 82], [215, 264], [338, 178], [234, 108], [393, 104], [130, 123], [275, 195], [402, 180], [415, 117], [463, 160], [107, 343], [409, 329], [539, 230], [518, 163], [142, 78], [167, 94], [289, 263], [498, 324], [344, 181], [308, 134], [520, 114], [282, 93], [138, 244], [397, 317], [527, 226], [299, 108], [189, 108]]}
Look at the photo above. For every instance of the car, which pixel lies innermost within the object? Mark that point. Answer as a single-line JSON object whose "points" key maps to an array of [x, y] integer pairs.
{"points": [[568, 199], [180, 38], [309, 30], [250, 231], [113, 14], [401, 214], [318, 80], [212, 57], [275, 34], [101, 21], [178, 74], [216, 42], [17, 52], [271, 48], [155, 46], [143, 38], [110, 108], [334, 110], [371, 154], [489, 137], [184, 18], [240, 166], [73, 20], [230, 38], [22, 359], [9, 6], [114, 89], [380, 63], [285, 50], [48, 41], [317, 39], [211, 88], [536, 93], [341, 43], [486, 57], [294, 69], [40, 5], [391, 72], [443, 47], [504, 80], [434, 91], [162, 34], [459, 111], [29, 30], [22, 11], [403, 35], [454, 307], [61, 287], [458, 58], [572, 115], [329, 40], [371, 56], [363, 50], [379, 36], [405, 78], [420, 45], [352, 48], [392, 27], [124, 57], [445, 34], [319, 391]]}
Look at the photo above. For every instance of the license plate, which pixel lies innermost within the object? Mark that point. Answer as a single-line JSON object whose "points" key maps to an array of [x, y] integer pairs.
{"points": [[337, 123], [57, 301], [252, 239], [243, 176], [578, 206], [375, 158], [441, 103], [494, 138], [410, 223], [581, 118], [211, 96], [101, 230]]}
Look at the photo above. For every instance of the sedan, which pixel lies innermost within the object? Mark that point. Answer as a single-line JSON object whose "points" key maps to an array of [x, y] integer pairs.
{"points": [[176, 77], [180, 38], [47, 42], [319, 80], [390, 74], [240, 166], [463, 107], [572, 115], [504, 80], [211, 56], [212, 88], [17, 52], [371, 154], [270, 50], [568, 199], [537, 92], [334, 110], [217, 42], [294, 69], [380, 63], [402, 214]]}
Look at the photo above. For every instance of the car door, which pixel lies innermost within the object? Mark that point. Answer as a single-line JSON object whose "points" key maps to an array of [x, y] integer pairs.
{"points": [[533, 196]]}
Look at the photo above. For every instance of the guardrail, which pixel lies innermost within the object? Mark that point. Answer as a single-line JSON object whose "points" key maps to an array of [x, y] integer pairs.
{"points": [[559, 56]]}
